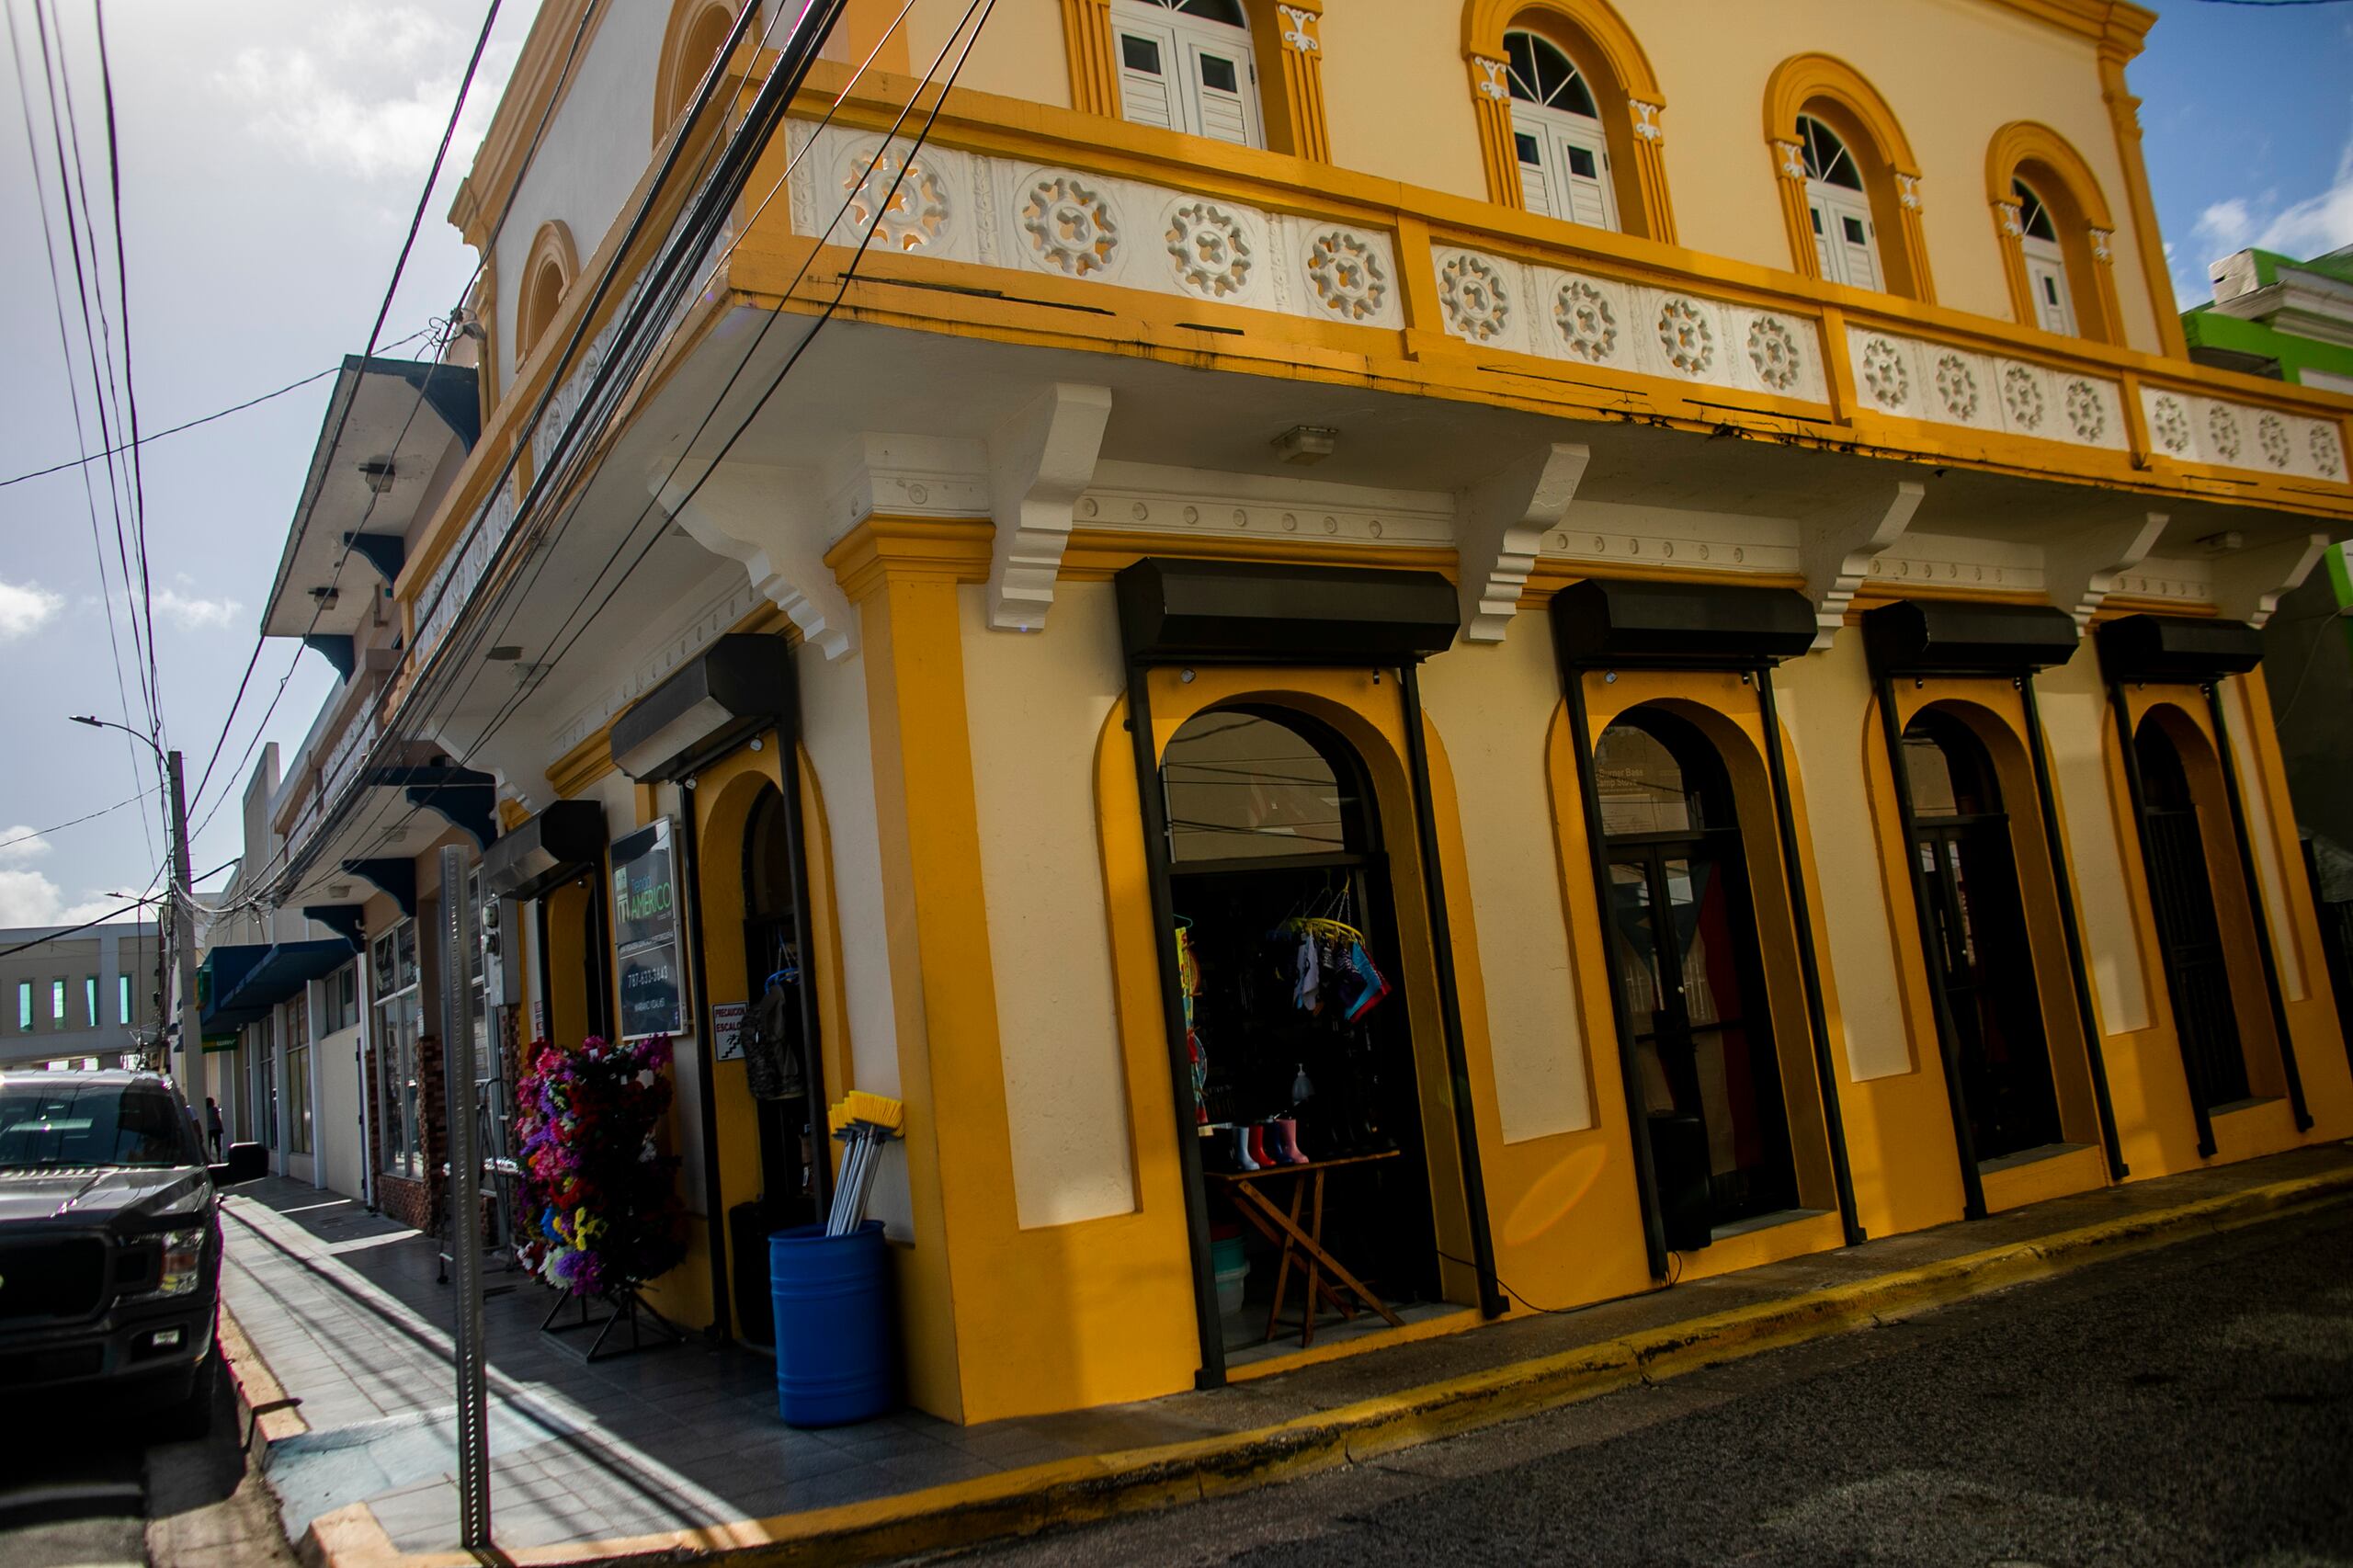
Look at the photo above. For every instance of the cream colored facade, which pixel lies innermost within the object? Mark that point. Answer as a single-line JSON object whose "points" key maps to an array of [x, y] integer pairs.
{"points": [[1075, 342]]}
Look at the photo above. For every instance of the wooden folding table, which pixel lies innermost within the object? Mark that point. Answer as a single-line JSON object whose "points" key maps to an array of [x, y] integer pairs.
{"points": [[1302, 1246]]}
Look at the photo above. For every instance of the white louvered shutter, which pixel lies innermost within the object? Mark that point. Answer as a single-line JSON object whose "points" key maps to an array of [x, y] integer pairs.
{"points": [[1536, 191], [1149, 59], [2046, 276], [1582, 157], [1842, 237], [1219, 79]]}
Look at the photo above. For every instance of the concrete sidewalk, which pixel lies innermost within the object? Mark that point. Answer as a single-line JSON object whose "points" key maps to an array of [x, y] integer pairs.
{"points": [[679, 1449]]}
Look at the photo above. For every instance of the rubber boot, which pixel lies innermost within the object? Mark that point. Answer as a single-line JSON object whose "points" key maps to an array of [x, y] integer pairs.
{"points": [[1258, 1151], [1287, 1132], [1241, 1153]]}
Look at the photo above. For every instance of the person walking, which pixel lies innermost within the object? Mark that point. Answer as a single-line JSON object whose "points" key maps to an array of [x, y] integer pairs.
{"points": [[212, 1123]]}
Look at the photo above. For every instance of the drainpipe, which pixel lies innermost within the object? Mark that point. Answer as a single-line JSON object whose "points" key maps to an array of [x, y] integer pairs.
{"points": [[1842, 1173], [2254, 904], [1638, 1126], [2057, 851], [1973, 1183], [1492, 1302], [2173, 987]]}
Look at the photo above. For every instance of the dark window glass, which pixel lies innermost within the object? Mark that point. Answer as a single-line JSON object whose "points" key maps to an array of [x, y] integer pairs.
{"points": [[1217, 74], [1240, 784], [1826, 158], [1140, 54], [1581, 162], [1854, 227], [1541, 74], [49, 1125], [1528, 148]]}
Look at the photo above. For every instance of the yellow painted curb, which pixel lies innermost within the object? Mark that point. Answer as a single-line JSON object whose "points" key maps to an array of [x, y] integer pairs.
{"points": [[257, 1386], [1078, 1491]]}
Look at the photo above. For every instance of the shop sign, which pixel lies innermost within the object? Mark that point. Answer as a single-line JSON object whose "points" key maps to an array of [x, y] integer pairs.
{"points": [[727, 1030], [645, 934]]}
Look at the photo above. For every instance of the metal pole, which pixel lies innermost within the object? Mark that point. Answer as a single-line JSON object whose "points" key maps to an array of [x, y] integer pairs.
{"points": [[459, 944], [2255, 907], [2056, 848], [1972, 1182], [1491, 1301], [715, 1210], [1638, 1122], [1817, 1014], [1171, 1015], [813, 1060], [2189, 1068], [184, 939]]}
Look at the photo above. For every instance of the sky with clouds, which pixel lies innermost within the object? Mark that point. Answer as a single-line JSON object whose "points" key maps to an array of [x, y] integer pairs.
{"points": [[272, 151]]}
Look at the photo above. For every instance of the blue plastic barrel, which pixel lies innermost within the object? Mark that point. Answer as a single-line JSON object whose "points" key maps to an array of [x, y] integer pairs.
{"points": [[835, 1340]]}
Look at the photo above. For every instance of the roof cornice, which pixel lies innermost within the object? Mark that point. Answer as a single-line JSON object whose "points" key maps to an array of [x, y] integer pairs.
{"points": [[2119, 27], [530, 93]]}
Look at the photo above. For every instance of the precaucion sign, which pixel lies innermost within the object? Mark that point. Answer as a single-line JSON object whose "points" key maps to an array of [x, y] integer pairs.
{"points": [[727, 1030], [645, 934]]}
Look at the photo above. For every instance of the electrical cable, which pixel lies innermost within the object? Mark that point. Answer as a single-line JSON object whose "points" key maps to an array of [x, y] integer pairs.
{"points": [[102, 810], [982, 8], [100, 920], [74, 401], [747, 141], [708, 212], [154, 437]]}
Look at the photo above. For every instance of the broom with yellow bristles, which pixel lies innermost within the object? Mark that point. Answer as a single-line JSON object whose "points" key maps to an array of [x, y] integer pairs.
{"points": [[864, 1123]]}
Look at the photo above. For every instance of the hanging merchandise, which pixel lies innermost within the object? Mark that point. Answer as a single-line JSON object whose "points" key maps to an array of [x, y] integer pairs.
{"points": [[600, 1206], [771, 1043], [1189, 981]]}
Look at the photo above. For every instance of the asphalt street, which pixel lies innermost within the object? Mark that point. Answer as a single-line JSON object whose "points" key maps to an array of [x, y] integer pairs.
{"points": [[82, 1485], [2191, 1405]]}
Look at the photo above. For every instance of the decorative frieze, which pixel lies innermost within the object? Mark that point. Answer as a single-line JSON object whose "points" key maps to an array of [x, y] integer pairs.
{"points": [[2191, 428], [1068, 224], [1499, 302], [1915, 379]]}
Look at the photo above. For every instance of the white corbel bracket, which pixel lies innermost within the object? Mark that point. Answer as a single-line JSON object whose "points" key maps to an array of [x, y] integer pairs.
{"points": [[766, 519], [2249, 585], [1040, 459], [1499, 528], [2083, 566], [1835, 549]]}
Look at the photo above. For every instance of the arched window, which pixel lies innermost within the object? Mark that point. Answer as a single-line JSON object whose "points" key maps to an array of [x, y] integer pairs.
{"points": [[1186, 65], [1248, 785], [1557, 132], [698, 32], [1840, 209], [2054, 232], [1569, 113], [1850, 188], [547, 276], [2046, 263]]}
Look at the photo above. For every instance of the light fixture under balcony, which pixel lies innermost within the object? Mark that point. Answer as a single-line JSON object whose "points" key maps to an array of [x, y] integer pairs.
{"points": [[378, 473], [1307, 443]]}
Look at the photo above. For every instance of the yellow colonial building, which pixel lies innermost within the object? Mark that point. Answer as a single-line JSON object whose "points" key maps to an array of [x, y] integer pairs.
{"points": [[1389, 659]]}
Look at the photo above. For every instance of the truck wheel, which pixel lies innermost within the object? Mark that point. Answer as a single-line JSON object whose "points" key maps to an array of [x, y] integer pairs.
{"points": [[189, 1414]]}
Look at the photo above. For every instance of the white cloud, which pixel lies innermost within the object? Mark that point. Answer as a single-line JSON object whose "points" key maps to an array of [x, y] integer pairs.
{"points": [[2304, 228], [192, 612], [27, 898], [367, 93], [25, 609], [20, 843]]}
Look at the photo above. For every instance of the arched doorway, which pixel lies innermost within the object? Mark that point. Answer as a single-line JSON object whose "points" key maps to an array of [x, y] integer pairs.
{"points": [[1186, 65], [2189, 937], [1687, 963], [1556, 130], [1299, 1035], [785, 1091], [1978, 951]]}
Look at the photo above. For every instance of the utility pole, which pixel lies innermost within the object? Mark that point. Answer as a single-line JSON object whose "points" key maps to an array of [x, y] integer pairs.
{"points": [[190, 1071]]}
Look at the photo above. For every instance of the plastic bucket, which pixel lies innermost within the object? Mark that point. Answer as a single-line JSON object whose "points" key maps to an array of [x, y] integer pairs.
{"points": [[835, 1336], [1230, 1267]]}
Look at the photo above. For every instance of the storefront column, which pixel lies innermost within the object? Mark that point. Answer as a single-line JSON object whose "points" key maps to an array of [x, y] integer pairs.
{"points": [[903, 576]]}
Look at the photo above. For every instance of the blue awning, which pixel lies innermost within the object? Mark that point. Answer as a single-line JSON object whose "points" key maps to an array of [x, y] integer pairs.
{"points": [[256, 984]]}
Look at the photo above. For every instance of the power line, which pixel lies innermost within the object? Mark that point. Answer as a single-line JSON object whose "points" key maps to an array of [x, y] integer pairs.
{"points": [[64, 932], [152, 437], [73, 398], [102, 810], [658, 290]]}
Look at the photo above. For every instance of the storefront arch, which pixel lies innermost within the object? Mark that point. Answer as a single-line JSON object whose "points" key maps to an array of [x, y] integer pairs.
{"points": [[1362, 708]]}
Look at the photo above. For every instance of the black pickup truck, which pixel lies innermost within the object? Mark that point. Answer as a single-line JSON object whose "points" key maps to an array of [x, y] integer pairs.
{"points": [[109, 1245]]}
